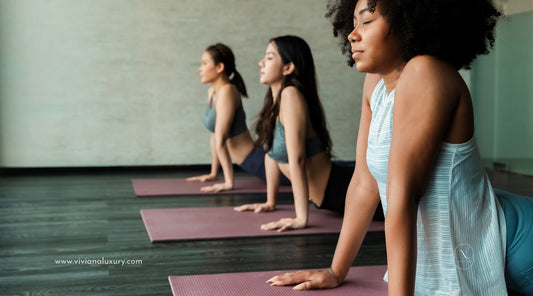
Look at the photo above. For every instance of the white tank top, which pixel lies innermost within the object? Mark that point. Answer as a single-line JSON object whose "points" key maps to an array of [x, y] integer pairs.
{"points": [[460, 224]]}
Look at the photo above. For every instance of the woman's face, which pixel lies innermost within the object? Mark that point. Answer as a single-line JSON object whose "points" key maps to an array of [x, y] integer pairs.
{"points": [[208, 70], [271, 66], [374, 50]]}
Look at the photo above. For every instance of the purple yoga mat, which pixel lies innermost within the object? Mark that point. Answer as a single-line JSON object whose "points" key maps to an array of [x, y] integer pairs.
{"points": [[180, 186], [360, 281], [224, 222]]}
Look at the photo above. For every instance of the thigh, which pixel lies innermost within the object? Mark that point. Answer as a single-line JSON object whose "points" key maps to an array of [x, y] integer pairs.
{"points": [[518, 212]]}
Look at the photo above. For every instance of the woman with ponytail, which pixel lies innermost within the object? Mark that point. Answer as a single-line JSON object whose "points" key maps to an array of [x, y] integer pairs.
{"points": [[226, 120], [292, 128]]}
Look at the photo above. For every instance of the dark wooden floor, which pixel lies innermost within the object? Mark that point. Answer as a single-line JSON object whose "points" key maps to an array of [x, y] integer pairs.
{"points": [[93, 214]]}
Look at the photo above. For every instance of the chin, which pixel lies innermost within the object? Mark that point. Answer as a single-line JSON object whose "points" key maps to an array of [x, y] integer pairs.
{"points": [[362, 68]]}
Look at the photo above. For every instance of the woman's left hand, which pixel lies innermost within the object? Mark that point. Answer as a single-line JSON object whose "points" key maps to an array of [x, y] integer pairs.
{"points": [[216, 187], [285, 224]]}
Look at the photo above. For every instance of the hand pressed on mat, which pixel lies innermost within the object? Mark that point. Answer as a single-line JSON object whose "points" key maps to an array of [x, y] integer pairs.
{"points": [[285, 224], [217, 187], [307, 280], [256, 207], [202, 178]]}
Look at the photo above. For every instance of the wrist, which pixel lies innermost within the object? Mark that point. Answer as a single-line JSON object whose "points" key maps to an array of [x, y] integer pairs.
{"points": [[338, 275], [270, 204], [301, 221]]}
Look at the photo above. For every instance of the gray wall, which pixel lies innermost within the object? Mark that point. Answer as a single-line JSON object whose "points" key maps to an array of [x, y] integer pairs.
{"points": [[115, 82]]}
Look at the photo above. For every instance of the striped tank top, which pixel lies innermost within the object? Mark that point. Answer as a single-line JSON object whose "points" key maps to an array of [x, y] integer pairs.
{"points": [[460, 224]]}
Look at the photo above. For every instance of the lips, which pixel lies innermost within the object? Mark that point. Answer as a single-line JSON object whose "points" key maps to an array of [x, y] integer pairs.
{"points": [[356, 53]]}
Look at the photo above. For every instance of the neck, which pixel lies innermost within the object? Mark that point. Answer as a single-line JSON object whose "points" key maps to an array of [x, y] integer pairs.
{"points": [[219, 83], [275, 90], [391, 78]]}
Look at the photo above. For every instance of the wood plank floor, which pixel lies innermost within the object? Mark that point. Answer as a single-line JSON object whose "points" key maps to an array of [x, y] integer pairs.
{"points": [[49, 215]]}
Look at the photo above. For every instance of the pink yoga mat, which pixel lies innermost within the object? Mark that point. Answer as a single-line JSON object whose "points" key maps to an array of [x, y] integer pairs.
{"points": [[180, 186], [224, 222], [360, 281]]}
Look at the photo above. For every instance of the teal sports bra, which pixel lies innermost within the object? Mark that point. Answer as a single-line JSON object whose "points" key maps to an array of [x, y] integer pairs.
{"points": [[238, 126], [313, 145]]}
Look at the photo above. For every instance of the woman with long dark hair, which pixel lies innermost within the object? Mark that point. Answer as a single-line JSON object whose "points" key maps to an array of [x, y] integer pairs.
{"points": [[225, 119], [292, 127]]}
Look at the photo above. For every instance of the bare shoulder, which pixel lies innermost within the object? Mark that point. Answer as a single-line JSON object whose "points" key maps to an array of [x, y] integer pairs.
{"points": [[229, 90], [292, 102], [290, 91], [291, 97], [426, 74], [430, 68], [228, 95]]}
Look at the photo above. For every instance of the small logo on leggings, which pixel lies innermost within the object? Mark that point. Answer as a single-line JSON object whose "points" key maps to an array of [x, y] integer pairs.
{"points": [[464, 256]]}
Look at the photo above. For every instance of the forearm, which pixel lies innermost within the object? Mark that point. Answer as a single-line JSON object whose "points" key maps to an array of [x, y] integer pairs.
{"points": [[273, 175], [359, 210], [225, 162], [214, 158], [300, 190], [400, 235]]}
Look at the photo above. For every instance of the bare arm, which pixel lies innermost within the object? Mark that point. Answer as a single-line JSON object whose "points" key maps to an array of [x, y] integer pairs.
{"points": [[362, 199], [226, 105], [273, 175], [214, 159], [215, 164], [423, 109], [293, 115]]}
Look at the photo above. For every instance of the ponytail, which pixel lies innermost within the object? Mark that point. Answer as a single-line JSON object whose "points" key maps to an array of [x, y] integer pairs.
{"points": [[239, 83]]}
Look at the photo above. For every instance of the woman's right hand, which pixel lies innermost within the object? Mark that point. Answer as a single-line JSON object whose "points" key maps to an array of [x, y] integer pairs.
{"points": [[257, 207], [308, 280], [202, 178]]}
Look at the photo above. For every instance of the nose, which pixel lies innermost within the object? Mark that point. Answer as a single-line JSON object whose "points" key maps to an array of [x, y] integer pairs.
{"points": [[354, 35], [261, 63]]}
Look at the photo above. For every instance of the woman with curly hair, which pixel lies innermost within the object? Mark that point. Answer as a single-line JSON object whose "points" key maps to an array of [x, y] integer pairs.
{"points": [[447, 231], [226, 120], [292, 128]]}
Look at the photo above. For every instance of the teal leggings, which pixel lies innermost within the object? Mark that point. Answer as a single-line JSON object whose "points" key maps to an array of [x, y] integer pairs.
{"points": [[518, 212]]}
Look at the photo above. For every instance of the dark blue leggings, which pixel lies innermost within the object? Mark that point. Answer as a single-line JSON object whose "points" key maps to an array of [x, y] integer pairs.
{"points": [[518, 212], [254, 164]]}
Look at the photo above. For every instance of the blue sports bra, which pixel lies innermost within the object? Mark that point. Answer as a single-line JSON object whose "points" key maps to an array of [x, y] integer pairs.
{"points": [[238, 126], [278, 152]]}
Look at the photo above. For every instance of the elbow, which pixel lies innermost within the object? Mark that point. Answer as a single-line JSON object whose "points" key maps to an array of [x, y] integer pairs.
{"points": [[298, 162], [400, 215], [220, 145]]}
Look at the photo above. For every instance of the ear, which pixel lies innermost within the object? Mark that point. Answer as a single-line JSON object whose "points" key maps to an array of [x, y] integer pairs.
{"points": [[288, 69], [220, 68]]}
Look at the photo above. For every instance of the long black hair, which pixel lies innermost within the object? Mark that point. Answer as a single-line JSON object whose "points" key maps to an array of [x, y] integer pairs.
{"points": [[221, 53], [293, 49]]}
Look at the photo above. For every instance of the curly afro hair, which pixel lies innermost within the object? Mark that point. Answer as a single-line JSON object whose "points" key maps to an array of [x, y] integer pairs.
{"points": [[455, 31]]}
